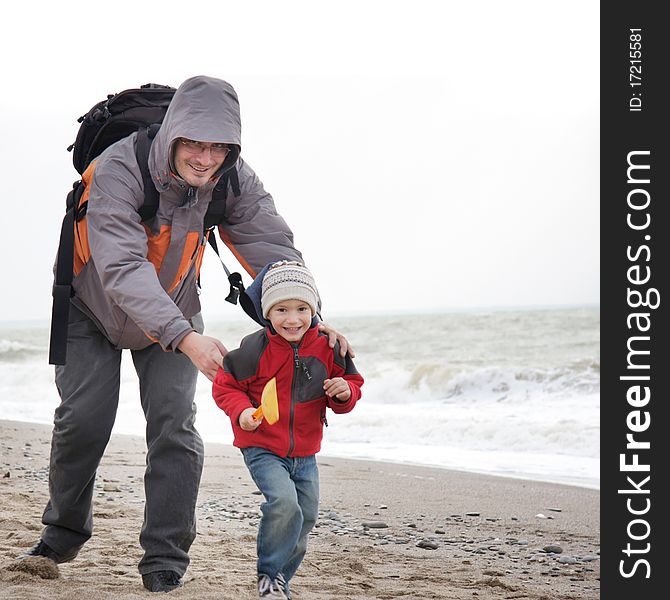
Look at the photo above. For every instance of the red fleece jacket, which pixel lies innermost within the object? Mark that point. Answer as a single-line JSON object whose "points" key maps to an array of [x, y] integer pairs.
{"points": [[300, 371]]}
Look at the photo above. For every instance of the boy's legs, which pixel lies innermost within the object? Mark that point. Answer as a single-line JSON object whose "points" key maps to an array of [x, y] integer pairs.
{"points": [[174, 458], [282, 520], [89, 389], [306, 479]]}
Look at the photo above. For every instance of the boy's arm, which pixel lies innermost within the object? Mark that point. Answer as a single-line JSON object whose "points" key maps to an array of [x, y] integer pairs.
{"points": [[231, 385], [345, 368], [230, 395]]}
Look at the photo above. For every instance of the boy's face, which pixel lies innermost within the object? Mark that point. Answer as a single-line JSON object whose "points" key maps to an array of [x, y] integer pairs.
{"points": [[291, 319]]}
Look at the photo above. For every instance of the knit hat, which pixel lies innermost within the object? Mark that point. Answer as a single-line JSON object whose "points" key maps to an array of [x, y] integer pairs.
{"points": [[288, 280]]}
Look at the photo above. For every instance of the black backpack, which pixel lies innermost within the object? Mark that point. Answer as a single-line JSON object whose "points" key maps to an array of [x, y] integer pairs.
{"points": [[139, 109]]}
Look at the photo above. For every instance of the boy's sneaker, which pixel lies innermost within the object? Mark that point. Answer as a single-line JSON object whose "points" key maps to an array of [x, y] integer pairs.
{"points": [[271, 589], [284, 585]]}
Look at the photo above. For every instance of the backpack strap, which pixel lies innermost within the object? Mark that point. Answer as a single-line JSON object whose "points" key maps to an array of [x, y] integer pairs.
{"points": [[237, 290], [145, 137], [216, 211], [216, 214], [62, 287], [235, 279]]}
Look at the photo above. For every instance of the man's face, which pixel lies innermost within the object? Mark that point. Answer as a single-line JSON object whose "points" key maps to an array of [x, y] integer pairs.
{"points": [[197, 162]]}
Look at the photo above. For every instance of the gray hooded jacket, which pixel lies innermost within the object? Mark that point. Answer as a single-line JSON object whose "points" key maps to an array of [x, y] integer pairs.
{"points": [[138, 280]]}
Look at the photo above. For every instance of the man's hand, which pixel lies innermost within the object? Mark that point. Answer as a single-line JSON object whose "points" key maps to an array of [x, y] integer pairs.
{"points": [[336, 336], [205, 352], [247, 421]]}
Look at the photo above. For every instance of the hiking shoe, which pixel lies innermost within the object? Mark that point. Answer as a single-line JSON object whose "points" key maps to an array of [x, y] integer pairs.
{"points": [[41, 549], [271, 589], [161, 581]]}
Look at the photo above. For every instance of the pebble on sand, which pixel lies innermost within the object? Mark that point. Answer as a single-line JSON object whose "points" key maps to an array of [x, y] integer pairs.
{"points": [[567, 560], [374, 524], [427, 544]]}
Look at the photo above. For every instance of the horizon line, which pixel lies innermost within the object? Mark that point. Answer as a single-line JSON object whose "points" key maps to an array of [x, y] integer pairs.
{"points": [[382, 312]]}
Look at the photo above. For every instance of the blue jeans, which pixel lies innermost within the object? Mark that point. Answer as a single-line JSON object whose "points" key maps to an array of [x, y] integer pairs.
{"points": [[290, 510]]}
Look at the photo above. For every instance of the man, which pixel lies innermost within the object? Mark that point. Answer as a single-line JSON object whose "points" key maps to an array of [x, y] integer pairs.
{"points": [[135, 288]]}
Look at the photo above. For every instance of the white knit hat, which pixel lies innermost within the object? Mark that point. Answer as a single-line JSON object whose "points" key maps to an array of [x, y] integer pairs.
{"points": [[288, 280]]}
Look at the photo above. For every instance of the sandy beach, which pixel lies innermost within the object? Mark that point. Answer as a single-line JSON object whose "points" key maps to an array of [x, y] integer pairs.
{"points": [[385, 531]]}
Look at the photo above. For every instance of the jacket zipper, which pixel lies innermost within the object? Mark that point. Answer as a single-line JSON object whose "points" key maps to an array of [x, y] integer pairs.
{"points": [[192, 261], [190, 200], [190, 197], [296, 370]]}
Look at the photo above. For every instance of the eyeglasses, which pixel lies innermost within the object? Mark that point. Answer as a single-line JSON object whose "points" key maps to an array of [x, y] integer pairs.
{"points": [[193, 147]]}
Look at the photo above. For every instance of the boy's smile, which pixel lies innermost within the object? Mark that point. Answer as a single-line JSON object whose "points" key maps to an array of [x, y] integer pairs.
{"points": [[291, 319]]}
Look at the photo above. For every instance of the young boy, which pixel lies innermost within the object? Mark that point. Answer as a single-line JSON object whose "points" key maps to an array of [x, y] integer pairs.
{"points": [[310, 376]]}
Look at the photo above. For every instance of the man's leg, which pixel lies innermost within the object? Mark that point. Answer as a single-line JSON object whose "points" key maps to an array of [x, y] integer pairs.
{"points": [[174, 458], [89, 389]]}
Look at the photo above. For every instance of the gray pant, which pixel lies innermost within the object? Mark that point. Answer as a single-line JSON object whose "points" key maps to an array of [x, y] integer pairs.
{"points": [[89, 389]]}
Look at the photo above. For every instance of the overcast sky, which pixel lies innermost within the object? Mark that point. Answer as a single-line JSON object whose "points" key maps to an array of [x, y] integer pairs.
{"points": [[427, 155]]}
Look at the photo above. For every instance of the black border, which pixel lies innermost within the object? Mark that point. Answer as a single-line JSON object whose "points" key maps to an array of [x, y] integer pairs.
{"points": [[623, 131]]}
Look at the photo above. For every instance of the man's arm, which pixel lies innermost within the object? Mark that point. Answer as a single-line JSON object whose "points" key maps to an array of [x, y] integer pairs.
{"points": [[254, 232]]}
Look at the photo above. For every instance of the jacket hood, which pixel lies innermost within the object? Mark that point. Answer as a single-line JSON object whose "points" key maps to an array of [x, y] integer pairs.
{"points": [[204, 109], [252, 303]]}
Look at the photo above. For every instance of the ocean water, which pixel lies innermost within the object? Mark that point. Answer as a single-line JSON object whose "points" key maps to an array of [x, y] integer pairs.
{"points": [[513, 393]]}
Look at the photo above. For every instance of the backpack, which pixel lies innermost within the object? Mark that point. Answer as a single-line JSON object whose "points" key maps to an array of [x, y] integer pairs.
{"points": [[139, 109]]}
